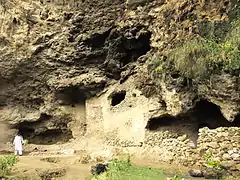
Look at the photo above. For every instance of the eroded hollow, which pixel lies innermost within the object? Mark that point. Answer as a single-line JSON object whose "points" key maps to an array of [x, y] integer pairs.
{"points": [[117, 97], [52, 137], [209, 115], [236, 121], [98, 40], [71, 96], [135, 48], [46, 137], [40, 132], [203, 114], [156, 122]]}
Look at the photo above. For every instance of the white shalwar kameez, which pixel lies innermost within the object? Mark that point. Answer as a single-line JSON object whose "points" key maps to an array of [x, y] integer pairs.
{"points": [[18, 145]]}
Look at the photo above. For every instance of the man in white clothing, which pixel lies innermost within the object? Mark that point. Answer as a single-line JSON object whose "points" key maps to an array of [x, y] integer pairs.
{"points": [[18, 144]]}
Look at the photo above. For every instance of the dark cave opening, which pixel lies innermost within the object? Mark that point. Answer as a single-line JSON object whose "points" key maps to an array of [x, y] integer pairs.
{"points": [[98, 40], [46, 137], [27, 128], [135, 48], [156, 122], [203, 114], [71, 96], [26, 132], [37, 132], [209, 115], [236, 121], [117, 97], [51, 136], [44, 116], [124, 48]]}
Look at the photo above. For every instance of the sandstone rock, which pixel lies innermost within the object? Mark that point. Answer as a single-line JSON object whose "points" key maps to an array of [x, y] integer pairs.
{"points": [[226, 156], [195, 173], [228, 164], [50, 62], [235, 156], [222, 134], [182, 138], [136, 2], [237, 167], [67, 151], [212, 174], [213, 145]]}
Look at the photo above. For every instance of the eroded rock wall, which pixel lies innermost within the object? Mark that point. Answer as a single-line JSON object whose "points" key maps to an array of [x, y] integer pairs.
{"points": [[82, 69], [145, 130]]}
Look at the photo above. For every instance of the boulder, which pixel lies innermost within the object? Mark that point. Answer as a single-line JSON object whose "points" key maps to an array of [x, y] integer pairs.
{"points": [[195, 173]]}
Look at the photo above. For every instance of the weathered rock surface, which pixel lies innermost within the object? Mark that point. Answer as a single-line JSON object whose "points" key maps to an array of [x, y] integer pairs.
{"points": [[62, 61]]}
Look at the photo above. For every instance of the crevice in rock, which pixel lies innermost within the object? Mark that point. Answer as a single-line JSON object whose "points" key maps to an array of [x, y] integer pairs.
{"points": [[209, 115], [45, 136], [44, 116], [97, 40], [135, 47], [117, 97], [124, 49]]}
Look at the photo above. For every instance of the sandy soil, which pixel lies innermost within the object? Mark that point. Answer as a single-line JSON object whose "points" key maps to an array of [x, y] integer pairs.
{"points": [[61, 168], [67, 168]]}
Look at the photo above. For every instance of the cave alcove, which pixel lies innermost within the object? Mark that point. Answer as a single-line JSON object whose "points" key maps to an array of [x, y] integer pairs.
{"points": [[117, 97]]}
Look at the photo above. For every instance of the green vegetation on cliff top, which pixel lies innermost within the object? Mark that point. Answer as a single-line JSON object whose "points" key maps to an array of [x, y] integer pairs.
{"points": [[201, 57]]}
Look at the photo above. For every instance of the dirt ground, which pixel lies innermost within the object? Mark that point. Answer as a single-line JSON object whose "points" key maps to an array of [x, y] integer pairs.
{"points": [[64, 168], [54, 167]]}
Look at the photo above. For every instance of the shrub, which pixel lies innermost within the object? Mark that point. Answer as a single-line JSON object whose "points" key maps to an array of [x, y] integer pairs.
{"points": [[199, 58], [124, 170], [192, 59], [176, 177], [6, 164], [231, 48]]}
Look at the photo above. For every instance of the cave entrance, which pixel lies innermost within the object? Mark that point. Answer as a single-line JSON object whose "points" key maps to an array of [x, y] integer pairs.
{"points": [[236, 121], [50, 137], [38, 133], [47, 137], [154, 123], [203, 114], [117, 97], [209, 115]]}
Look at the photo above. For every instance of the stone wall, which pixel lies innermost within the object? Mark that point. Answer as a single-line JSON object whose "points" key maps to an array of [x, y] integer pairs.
{"points": [[223, 142], [174, 146]]}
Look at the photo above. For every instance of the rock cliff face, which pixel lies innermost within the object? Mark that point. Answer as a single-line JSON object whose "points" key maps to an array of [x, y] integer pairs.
{"points": [[73, 69]]}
